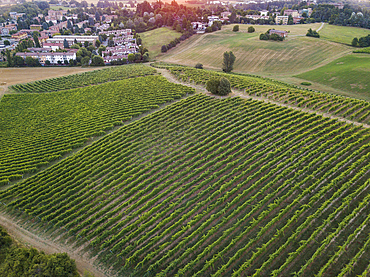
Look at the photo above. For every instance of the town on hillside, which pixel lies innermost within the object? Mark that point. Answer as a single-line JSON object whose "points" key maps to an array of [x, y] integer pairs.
{"points": [[77, 33]]}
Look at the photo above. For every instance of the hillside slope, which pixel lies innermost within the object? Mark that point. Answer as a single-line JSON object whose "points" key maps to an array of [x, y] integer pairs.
{"points": [[297, 53], [214, 187]]}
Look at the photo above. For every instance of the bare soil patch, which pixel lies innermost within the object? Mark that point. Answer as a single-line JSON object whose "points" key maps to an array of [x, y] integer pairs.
{"points": [[12, 76]]}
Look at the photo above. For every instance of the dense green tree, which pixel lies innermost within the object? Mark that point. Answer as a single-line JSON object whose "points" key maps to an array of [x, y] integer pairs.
{"points": [[236, 28], [251, 29], [355, 42], [131, 58], [228, 61], [97, 61]]}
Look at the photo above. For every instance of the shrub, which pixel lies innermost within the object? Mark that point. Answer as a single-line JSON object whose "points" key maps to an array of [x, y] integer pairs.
{"points": [[236, 28], [164, 49], [251, 29], [199, 66], [311, 33], [219, 86], [224, 87], [306, 84]]}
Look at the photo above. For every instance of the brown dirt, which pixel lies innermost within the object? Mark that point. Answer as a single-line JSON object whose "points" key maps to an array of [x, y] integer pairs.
{"points": [[30, 238], [12, 76]]}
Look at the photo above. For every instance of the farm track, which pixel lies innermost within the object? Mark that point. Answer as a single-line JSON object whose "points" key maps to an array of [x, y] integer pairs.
{"points": [[238, 93], [49, 246]]}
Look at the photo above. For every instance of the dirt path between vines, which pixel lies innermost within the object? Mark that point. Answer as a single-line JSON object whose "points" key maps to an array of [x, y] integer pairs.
{"points": [[26, 237], [235, 93]]}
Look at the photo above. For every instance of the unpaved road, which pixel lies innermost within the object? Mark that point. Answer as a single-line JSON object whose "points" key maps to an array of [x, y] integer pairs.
{"points": [[26, 237]]}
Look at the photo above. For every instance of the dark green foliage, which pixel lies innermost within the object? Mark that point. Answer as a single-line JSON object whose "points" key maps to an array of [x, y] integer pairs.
{"points": [[199, 66], [219, 86], [97, 61], [311, 33], [251, 29], [164, 49], [306, 84], [224, 87], [364, 41], [236, 28], [28, 262], [355, 42], [267, 36], [228, 62]]}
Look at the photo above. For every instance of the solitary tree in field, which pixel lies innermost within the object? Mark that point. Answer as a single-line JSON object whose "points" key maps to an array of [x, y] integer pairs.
{"points": [[236, 28], [228, 62]]}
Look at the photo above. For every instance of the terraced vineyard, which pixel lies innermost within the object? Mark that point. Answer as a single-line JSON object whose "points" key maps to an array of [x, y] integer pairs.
{"points": [[353, 109], [38, 128], [85, 79], [210, 187]]}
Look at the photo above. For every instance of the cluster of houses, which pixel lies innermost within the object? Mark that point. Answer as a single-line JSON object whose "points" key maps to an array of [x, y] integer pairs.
{"points": [[43, 55], [124, 44]]}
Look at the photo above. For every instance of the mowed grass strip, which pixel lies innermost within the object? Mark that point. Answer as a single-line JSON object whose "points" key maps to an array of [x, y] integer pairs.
{"points": [[36, 129], [154, 39], [212, 187], [342, 34], [350, 73], [297, 53]]}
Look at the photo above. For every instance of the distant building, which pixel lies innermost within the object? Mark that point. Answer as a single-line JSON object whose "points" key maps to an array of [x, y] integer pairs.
{"points": [[72, 39], [283, 34], [15, 15], [53, 46], [293, 13], [20, 35], [212, 19], [55, 15], [35, 27], [282, 18], [52, 57], [264, 12]]}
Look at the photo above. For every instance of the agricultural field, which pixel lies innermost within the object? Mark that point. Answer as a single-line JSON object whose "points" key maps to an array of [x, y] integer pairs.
{"points": [[213, 187], [341, 34], [350, 73], [154, 39], [353, 109], [296, 54], [85, 79], [36, 129]]}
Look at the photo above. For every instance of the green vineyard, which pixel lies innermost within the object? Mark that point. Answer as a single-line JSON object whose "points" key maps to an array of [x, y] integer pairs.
{"points": [[36, 129], [86, 79], [353, 109], [211, 187]]}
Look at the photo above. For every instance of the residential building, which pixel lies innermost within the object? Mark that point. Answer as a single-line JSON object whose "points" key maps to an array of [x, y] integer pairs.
{"points": [[225, 14], [20, 35], [15, 15], [72, 39], [35, 27], [48, 33], [52, 57], [264, 12], [279, 33], [282, 19], [53, 46], [55, 15], [293, 13], [199, 27], [212, 19]]}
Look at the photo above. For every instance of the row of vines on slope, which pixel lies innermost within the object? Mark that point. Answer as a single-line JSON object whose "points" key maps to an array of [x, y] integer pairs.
{"points": [[86, 79], [353, 109], [38, 128], [210, 187]]}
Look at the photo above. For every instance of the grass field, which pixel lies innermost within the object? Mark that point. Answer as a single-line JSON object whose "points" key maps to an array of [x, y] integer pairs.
{"points": [[349, 73], [341, 34], [211, 187], [153, 40], [297, 53]]}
